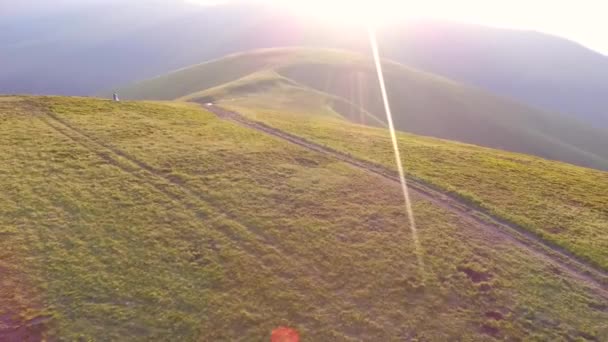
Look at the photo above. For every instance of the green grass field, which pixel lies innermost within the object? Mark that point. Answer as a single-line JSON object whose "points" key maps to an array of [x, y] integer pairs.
{"points": [[158, 221]]}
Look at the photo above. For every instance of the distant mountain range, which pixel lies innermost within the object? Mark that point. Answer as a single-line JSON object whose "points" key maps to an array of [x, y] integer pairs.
{"points": [[541, 70], [102, 45]]}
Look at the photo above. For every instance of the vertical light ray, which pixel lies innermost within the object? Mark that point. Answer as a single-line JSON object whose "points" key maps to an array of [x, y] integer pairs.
{"points": [[389, 118], [362, 118]]}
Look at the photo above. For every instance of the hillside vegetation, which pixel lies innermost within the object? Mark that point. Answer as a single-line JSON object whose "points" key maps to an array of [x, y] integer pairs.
{"points": [[158, 221], [561, 203], [423, 103]]}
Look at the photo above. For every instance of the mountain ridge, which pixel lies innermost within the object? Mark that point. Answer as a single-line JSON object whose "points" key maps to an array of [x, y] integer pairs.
{"points": [[423, 103], [537, 69]]}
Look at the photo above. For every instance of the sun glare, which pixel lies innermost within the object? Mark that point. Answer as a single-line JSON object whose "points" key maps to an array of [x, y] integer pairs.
{"points": [[340, 11], [379, 12], [554, 17], [365, 12]]}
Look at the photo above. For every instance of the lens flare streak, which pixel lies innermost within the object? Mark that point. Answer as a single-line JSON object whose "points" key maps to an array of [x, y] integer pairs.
{"points": [[389, 118]]}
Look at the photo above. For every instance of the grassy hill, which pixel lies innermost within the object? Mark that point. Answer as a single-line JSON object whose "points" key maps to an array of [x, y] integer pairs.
{"points": [[423, 103], [159, 221], [563, 204]]}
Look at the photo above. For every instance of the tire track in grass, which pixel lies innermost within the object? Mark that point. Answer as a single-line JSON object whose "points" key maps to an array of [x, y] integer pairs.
{"points": [[595, 277], [189, 199]]}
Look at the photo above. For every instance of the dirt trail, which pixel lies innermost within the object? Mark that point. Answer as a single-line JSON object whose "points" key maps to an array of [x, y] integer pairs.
{"points": [[593, 276]]}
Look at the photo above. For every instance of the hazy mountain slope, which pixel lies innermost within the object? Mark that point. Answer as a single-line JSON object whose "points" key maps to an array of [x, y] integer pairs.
{"points": [[146, 221], [78, 48], [542, 70], [96, 46], [422, 103]]}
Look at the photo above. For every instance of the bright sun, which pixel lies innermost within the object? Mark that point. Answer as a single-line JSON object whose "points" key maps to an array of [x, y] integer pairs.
{"points": [[343, 11], [350, 12], [581, 21], [378, 12]]}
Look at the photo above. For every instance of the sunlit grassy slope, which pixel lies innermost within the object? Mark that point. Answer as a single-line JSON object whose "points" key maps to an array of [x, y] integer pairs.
{"points": [[158, 221], [423, 103], [564, 204], [268, 89]]}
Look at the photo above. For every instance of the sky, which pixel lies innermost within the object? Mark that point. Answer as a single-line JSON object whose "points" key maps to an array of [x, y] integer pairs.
{"points": [[583, 21]]}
